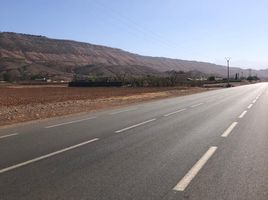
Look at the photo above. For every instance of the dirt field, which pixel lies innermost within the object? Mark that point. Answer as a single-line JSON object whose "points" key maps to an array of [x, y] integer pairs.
{"points": [[20, 104]]}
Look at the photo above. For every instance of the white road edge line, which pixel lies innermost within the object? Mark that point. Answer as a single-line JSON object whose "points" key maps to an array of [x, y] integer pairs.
{"points": [[10, 135], [46, 156], [193, 106], [229, 130], [250, 105], [122, 111], [254, 101], [242, 114], [172, 113], [185, 181], [134, 126], [71, 122]]}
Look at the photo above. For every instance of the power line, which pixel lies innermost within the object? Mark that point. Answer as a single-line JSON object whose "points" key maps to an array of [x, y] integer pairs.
{"points": [[133, 26], [228, 70]]}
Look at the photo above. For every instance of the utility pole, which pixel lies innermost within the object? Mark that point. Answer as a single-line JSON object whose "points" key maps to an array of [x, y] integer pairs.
{"points": [[228, 71]]}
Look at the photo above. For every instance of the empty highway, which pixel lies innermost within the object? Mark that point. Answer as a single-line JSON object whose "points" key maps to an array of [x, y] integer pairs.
{"points": [[211, 145]]}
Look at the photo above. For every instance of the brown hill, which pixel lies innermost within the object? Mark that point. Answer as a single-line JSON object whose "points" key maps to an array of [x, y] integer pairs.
{"points": [[26, 56]]}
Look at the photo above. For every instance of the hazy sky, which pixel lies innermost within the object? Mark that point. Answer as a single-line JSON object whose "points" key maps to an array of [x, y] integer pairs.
{"points": [[205, 30]]}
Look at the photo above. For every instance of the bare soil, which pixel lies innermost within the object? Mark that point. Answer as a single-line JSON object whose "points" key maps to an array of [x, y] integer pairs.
{"points": [[20, 104]]}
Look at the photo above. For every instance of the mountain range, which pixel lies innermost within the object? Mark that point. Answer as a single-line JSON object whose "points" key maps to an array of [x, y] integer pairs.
{"points": [[24, 56]]}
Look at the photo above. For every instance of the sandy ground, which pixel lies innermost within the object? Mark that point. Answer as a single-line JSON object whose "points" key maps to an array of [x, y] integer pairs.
{"points": [[21, 104]]}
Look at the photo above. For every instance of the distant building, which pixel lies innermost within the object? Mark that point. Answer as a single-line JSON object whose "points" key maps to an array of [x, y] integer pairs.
{"points": [[218, 78], [40, 79]]}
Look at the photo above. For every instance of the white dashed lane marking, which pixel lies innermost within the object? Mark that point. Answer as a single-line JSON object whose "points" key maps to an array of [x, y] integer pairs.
{"points": [[243, 114], [134, 126], [10, 135], [122, 111], [229, 130], [46, 156], [71, 122], [250, 106], [185, 181], [199, 104], [175, 112]]}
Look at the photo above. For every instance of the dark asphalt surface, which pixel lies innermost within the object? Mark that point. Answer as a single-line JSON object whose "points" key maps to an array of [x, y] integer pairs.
{"points": [[148, 160]]}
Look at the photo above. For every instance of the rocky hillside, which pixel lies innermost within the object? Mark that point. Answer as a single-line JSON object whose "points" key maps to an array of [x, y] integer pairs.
{"points": [[27, 56]]}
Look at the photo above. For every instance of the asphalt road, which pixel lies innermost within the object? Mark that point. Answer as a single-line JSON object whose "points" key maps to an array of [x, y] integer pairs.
{"points": [[212, 145]]}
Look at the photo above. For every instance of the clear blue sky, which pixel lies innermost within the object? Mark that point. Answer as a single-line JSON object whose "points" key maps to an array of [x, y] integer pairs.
{"points": [[205, 30]]}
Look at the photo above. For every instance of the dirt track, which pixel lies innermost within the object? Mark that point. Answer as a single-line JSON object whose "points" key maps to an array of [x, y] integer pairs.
{"points": [[19, 104]]}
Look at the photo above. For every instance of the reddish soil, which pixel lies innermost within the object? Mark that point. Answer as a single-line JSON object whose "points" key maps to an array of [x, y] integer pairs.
{"points": [[20, 104]]}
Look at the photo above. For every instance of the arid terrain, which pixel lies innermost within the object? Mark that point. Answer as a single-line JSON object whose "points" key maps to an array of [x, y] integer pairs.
{"points": [[25, 57], [24, 103]]}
